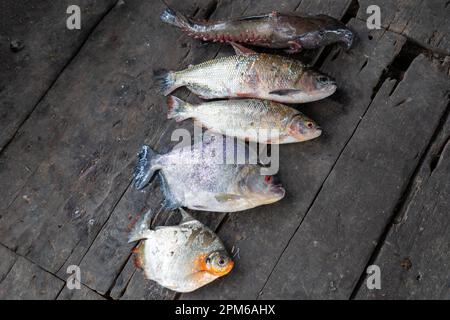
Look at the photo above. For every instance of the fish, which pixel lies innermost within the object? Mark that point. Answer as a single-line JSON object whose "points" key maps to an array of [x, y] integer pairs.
{"points": [[261, 121], [182, 257], [199, 177], [250, 75], [272, 30]]}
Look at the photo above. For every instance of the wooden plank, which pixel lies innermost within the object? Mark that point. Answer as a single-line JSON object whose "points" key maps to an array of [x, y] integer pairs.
{"points": [[114, 257], [41, 47], [79, 146], [84, 293], [126, 284], [25, 280], [263, 233], [415, 256], [426, 22], [332, 246]]}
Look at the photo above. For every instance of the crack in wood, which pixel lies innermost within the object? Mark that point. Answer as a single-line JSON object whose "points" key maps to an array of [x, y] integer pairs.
{"points": [[351, 12], [399, 65]]}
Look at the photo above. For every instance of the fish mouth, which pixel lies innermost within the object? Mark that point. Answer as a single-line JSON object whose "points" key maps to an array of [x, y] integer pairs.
{"points": [[348, 39], [315, 134], [278, 191], [330, 88]]}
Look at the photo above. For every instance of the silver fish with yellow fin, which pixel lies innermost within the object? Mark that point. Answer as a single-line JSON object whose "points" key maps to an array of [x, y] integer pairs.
{"points": [[200, 177], [181, 258], [254, 120], [251, 75]]}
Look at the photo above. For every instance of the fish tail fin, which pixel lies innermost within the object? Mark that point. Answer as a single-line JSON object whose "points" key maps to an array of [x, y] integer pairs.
{"points": [[177, 109], [166, 81], [145, 167], [142, 228], [174, 18]]}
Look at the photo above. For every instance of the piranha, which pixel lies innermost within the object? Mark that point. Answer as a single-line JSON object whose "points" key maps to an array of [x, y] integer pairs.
{"points": [[251, 75], [181, 258], [255, 120], [273, 30], [199, 177]]}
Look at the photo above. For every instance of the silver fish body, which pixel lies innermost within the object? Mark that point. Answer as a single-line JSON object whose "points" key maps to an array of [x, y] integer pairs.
{"points": [[200, 178], [254, 120], [251, 75], [183, 257]]}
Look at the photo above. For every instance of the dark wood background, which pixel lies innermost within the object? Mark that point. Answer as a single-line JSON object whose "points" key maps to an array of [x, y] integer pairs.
{"points": [[75, 106]]}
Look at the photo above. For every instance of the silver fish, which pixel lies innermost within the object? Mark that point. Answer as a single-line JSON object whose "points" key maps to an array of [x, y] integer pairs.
{"points": [[251, 75], [254, 120], [199, 178], [182, 258]]}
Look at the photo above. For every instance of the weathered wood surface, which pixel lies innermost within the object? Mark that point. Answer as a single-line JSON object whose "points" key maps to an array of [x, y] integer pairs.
{"points": [[329, 251], [263, 233], [22, 279], [415, 258], [84, 293], [65, 178], [35, 46], [426, 22], [136, 287]]}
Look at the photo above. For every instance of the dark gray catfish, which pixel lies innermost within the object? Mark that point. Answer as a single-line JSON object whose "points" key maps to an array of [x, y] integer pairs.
{"points": [[273, 30]]}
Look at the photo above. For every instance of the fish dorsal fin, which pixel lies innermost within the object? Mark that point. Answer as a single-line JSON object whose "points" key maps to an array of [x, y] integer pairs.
{"points": [[259, 17], [241, 50]]}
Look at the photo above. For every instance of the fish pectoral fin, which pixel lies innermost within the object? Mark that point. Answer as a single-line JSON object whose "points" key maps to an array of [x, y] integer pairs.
{"points": [[224, 197], [285, 92], [241, 50], [294, 47]]}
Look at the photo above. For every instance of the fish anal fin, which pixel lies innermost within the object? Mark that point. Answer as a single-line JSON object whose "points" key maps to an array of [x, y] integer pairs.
{"points": [[241, 50]]}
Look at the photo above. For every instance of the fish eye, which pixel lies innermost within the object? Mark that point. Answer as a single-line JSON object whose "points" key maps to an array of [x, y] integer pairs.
{"points": [[322, 79], [268, 179], [221, 261], [309, 124]]}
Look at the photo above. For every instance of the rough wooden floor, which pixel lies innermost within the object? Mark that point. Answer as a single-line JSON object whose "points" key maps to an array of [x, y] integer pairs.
{"points": [[374, 189]]}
